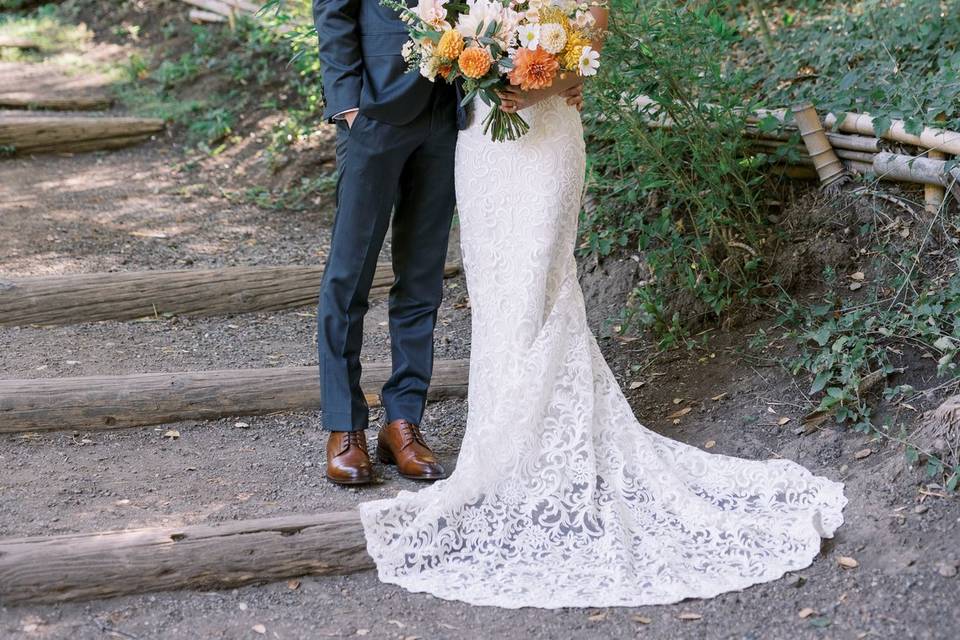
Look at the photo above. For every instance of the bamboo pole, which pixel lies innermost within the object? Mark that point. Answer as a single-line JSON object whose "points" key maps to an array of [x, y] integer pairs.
{"points": [[114, 402], [942, 140], [224, 556], [894, 166], [843, 154], [933, 195], [854, 142], [825, 161]]}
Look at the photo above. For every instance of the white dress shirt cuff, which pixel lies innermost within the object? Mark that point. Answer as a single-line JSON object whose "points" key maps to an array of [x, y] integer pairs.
{"points": [[342, 115]]}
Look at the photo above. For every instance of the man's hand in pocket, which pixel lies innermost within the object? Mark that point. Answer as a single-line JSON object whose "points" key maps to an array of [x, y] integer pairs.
{"points": [[350, 116]]}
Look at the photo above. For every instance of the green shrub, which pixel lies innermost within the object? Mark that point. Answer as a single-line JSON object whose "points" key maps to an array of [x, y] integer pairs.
{"points": [[687, 198]]}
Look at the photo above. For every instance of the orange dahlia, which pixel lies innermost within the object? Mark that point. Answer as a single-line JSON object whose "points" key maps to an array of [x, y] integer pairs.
{"points": [[451, 45], [533, 69], [475, 62]]}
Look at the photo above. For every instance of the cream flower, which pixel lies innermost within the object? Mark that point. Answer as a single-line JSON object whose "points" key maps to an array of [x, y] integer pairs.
{"points": [[430, 67], [529, 36], [589, 62], [481, 13], [433, 13], [584, 20], [553, 38], [408, 49]]}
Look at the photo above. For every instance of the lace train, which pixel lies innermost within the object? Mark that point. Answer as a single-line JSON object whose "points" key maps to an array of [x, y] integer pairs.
{"points": [[560, 498]]}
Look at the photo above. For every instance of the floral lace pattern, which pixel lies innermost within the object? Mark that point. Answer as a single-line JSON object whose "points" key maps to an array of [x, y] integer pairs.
{"points": [[560, 498]]}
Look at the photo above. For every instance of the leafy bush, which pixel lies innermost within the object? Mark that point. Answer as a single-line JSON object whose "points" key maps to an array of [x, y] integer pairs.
{"points": [[892, 59], [686, 197]]}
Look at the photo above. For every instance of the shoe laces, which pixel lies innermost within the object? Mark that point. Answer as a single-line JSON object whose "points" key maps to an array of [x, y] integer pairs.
{"points": [[355, 439], [411, 434]]}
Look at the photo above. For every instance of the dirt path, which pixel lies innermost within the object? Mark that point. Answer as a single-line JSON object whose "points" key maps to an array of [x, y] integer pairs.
{"points": [[146, 208]]}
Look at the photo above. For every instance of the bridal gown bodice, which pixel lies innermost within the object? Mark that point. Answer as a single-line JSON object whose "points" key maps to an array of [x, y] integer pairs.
{"points": [[560, 497]]}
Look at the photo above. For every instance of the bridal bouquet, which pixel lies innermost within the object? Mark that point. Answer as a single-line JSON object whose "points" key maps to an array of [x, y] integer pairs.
{"points": [[489, 43]]}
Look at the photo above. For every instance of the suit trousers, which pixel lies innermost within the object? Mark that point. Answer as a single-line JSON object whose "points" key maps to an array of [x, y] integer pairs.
{"points": [[407, 172]]}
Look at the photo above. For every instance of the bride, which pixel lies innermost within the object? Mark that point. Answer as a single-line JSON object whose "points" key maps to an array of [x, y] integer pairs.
{"points": [[560, 498]]}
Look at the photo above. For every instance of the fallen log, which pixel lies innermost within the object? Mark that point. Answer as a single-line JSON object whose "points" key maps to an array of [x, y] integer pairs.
{"points": [[115, 563], [30, 100], [71, 299], [9, 42], [225, 8], [200, 16], [41, 133], [114, 402]]}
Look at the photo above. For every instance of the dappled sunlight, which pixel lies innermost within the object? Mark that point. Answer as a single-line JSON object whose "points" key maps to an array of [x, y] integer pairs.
{"points": [[132, 210]]}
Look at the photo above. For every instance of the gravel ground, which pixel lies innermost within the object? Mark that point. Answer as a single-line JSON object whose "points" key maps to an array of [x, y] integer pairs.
{"points": [[139, 208]]}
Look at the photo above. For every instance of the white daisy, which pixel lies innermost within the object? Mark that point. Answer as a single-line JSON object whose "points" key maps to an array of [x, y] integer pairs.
{"points": [[529, 36], [552, 38], [589, 62]]}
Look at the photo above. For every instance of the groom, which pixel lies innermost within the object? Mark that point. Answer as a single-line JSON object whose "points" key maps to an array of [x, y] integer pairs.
{"points": [[396, 137]]}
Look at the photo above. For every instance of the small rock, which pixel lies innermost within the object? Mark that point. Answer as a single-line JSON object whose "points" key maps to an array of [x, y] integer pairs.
{"points": [[947, 569], [920, 508], [863, 453], [796, 581]]}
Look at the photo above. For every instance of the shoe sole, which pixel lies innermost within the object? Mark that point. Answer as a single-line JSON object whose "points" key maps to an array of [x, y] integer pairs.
{"points": [[350, 483]]}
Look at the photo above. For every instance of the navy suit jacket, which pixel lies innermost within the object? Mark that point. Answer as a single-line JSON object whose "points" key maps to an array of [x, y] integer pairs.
{"points": [[362, 65]]}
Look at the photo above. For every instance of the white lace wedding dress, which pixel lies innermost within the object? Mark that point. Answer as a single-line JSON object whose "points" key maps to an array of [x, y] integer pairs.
{"points": [[560, 498]]}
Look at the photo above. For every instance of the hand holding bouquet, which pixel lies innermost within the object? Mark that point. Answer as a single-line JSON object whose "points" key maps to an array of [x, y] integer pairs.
{"points": [[491, 43]]}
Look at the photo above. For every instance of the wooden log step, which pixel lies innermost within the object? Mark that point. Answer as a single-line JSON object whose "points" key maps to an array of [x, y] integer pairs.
{"points": [[115, 563], [53, 102], [113, 402], [11, 42], [35, 133], [71, 299], [29, 85]]}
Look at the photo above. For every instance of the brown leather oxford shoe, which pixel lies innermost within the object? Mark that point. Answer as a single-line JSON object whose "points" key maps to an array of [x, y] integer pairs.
{"points": [[402, 444], [348, 461]]}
